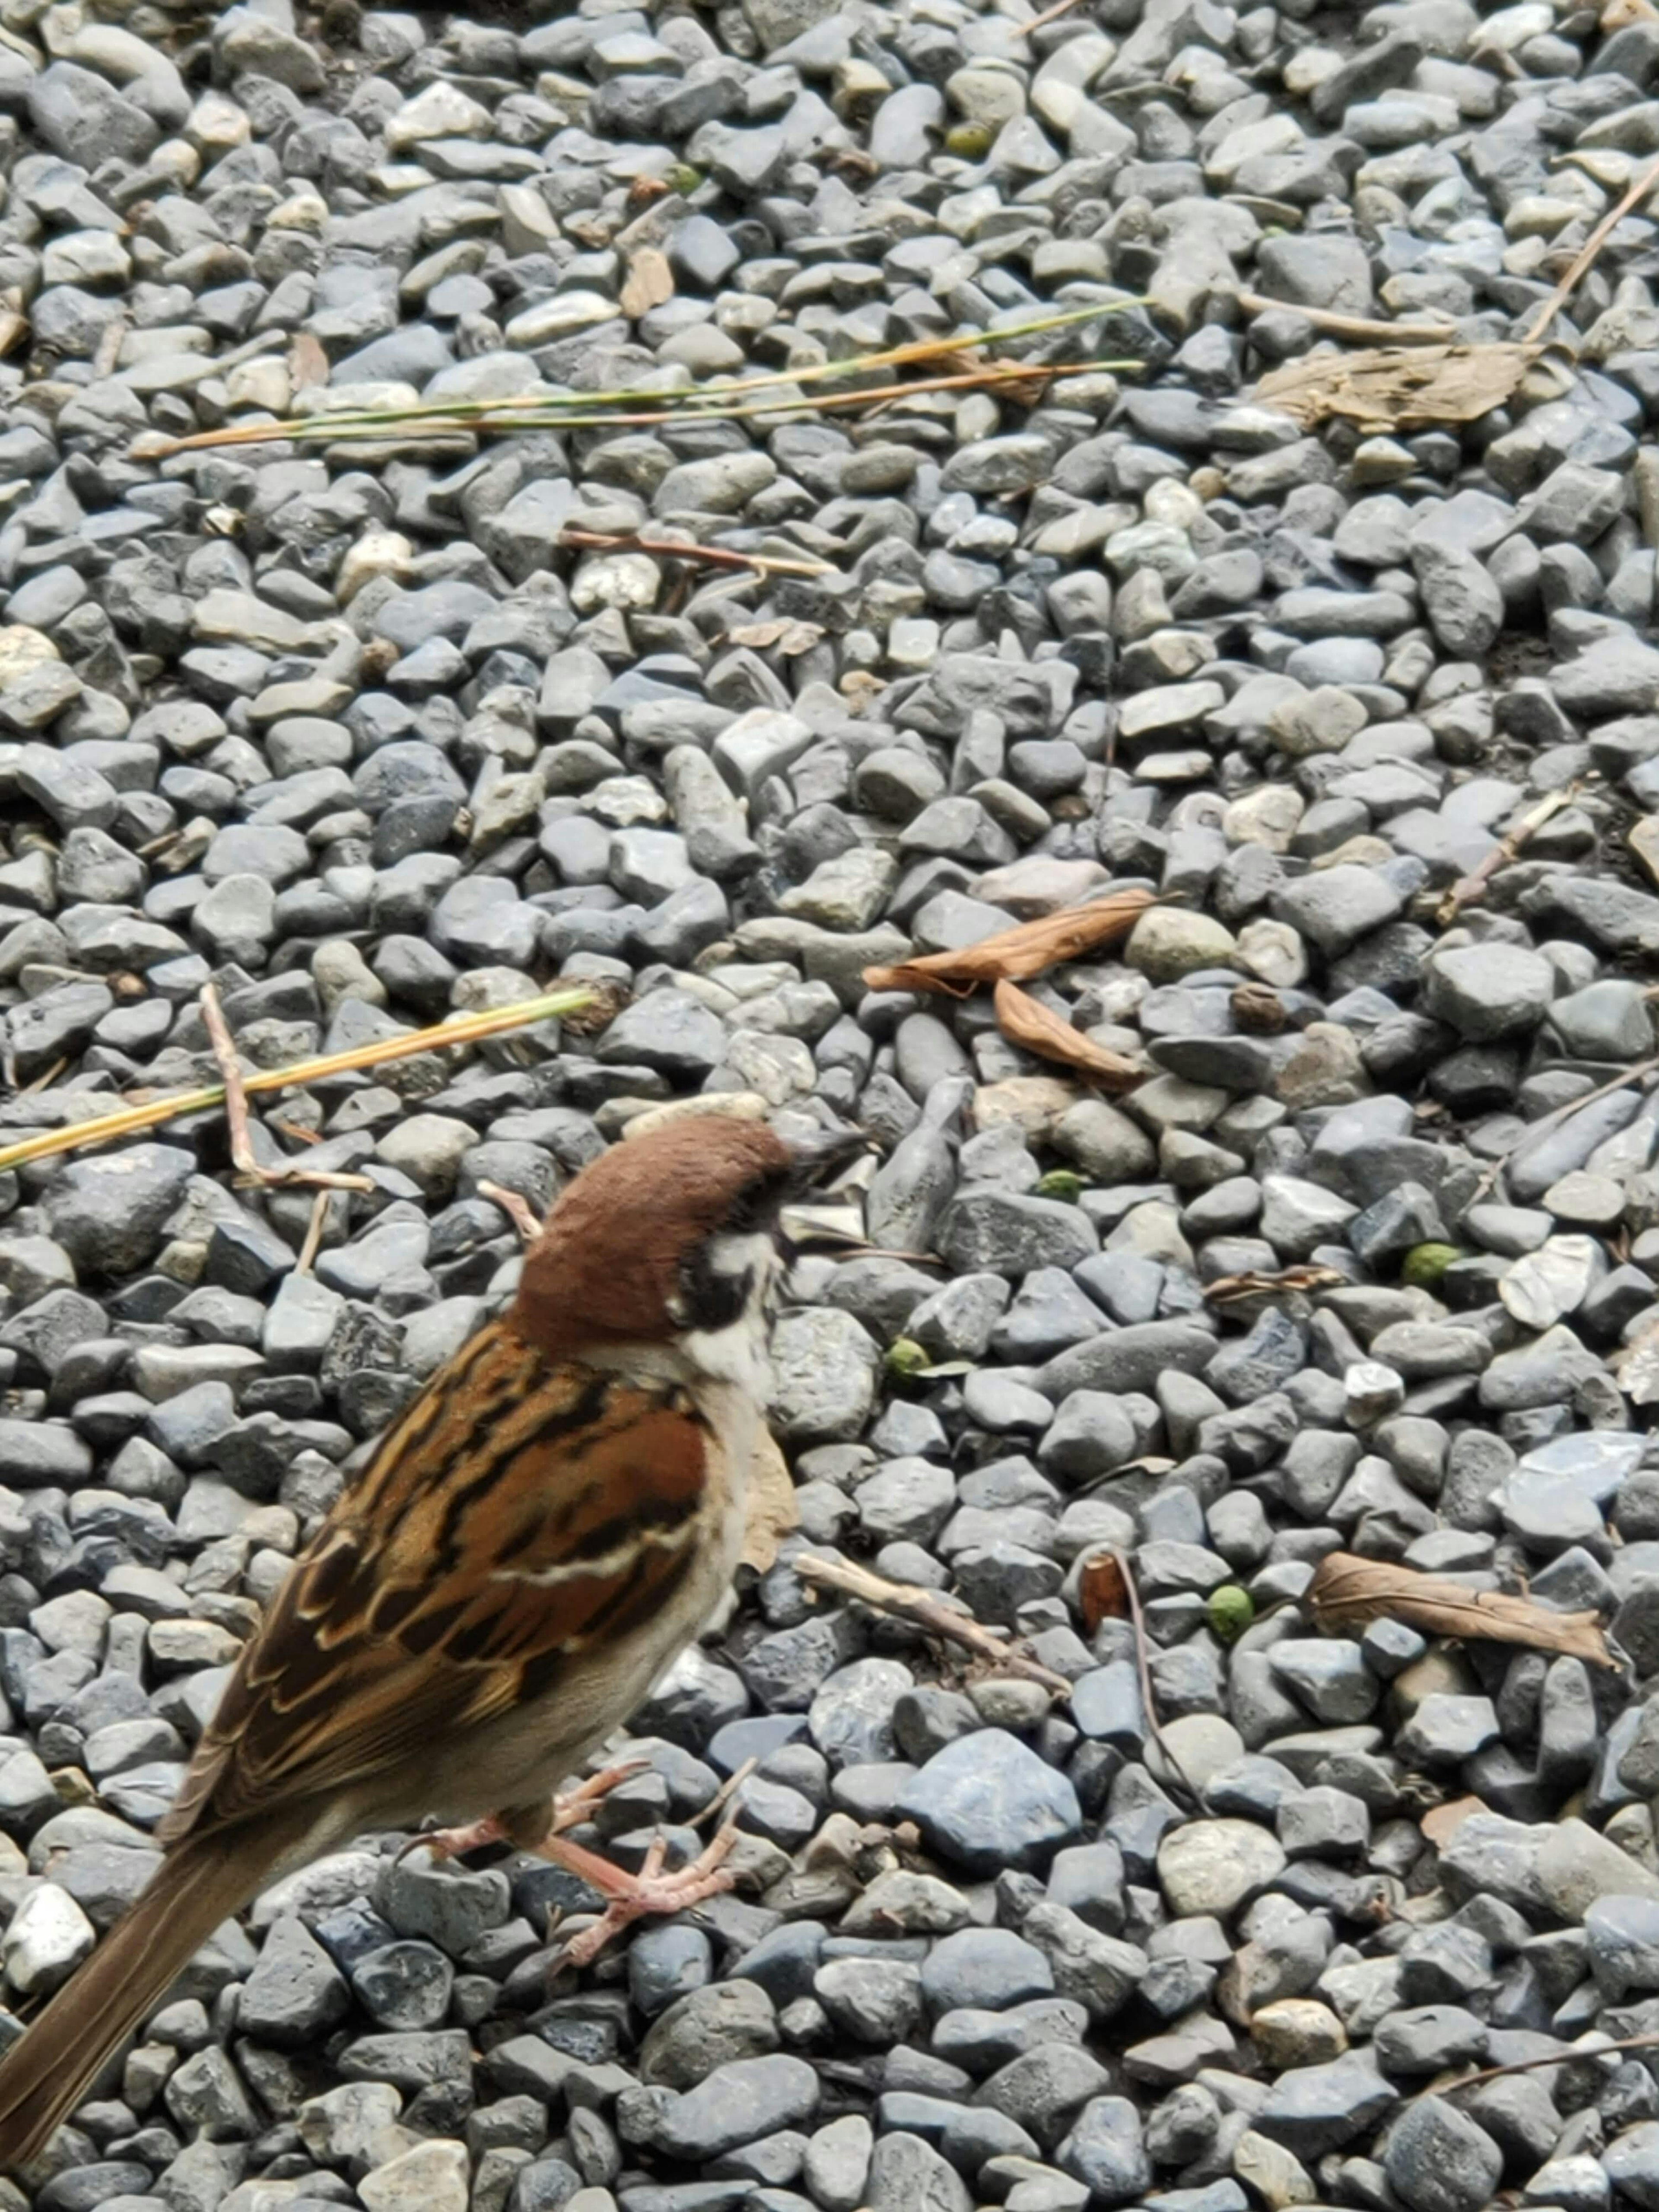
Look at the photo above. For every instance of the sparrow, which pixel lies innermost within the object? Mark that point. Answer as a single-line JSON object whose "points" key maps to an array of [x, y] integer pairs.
{"points": [[558, 1513]]}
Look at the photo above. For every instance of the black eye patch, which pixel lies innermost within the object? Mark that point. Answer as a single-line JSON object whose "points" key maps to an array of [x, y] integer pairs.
{"points": [[715, 1298], [756, 1210]]}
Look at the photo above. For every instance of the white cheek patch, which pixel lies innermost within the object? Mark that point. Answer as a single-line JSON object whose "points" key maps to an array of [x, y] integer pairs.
{"points": [[736, 1353]]}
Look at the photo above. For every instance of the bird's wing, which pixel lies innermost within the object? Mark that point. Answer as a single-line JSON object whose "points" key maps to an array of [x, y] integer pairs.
{"points": [[518, 1511]]}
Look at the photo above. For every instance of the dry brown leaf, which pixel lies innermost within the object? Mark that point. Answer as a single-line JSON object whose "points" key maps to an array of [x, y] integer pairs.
{"points": [[1398, 388], [308, 363], [648, 284], [789, 636], [1102, 1593], [1026, 1021], [1014, 954], [771, 1510], [1348, 1594]]}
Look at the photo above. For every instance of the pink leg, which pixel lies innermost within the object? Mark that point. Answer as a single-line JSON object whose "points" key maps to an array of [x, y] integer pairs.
{"points": [[451, 1842], [524, 1827]]}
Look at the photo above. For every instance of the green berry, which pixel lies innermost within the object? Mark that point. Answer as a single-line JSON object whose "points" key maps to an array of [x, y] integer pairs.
{"points": [[1424, 1264], [1064, 1183], [969, 142], [904, 1357], [1231, 1612]]}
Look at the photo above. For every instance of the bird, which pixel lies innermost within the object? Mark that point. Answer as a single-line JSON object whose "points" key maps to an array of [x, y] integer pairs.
{"points": [[546, 1525]]}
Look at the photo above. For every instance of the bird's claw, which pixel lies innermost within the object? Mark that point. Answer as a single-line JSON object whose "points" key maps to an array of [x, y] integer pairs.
{"points": [[636, 1897]]}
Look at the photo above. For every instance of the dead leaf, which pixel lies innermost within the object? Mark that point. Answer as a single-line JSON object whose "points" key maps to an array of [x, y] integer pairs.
{"points": [[790, 637], [1398, 388], [308, 364], [771, 1511], [648, 284], [1102, 1593], [1013, 955], [1348, 1594], [1026, 1021]]}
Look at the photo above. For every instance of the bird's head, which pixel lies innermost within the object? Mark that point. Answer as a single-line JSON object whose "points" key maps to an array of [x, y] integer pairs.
{"points": [[671, 1236]]}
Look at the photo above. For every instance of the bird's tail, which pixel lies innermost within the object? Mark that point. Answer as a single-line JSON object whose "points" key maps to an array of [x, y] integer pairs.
{"points": [[47, 2072]]}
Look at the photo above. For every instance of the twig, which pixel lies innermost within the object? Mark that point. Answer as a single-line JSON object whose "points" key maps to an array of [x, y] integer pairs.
{"points": [[1143, 1667], [907, 1601], [515, 1206], [1592, 247], [314, 1229], [236, 1116], [44, 1080], [537, 414], [443, 1037], [899, 356], [1364, 327], [1049, 15], [723, 1795], [720, 556], [1529, 2065], [1467, 889], [1544, 1122]]}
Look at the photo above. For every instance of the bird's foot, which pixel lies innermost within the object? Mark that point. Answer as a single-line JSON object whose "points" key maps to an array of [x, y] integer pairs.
{"points": [[526, 1829], [453, 1842], [572, 1807], [631, 1897]]}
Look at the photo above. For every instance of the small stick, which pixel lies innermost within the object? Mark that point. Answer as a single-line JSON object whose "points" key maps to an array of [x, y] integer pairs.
{"points": [[44, 1080], [314, 1229], [727, 1791], [236, 1116], [1049, 15], [443, 1037], [1593, 245], [1559, 1113], [906, 1601], [1467, 889], [1143, 1666], [540, 415], [720, 556], [516, 1207], [1554, 2059], [1366, 327]]}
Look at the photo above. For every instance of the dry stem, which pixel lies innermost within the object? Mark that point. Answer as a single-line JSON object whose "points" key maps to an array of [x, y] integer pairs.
{"points": [[907, 1601], [443, 1037], [1473, 886], [236, 1115], [1049, 15], [1558, 1115], [719, 556], [1593, 245], [1142, 1667], [516, 1207], [1366, 328], [313, 1238]]}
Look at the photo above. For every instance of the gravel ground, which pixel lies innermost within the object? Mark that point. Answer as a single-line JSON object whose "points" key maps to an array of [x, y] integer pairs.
{"points": [[345, 731]]}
